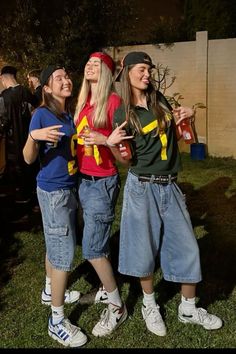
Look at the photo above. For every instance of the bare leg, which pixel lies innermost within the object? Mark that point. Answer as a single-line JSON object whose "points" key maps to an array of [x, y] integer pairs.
{"points": [[104, 270], [188, 290], [59, 280], [147, 284], [58, 285], [48, 267]]}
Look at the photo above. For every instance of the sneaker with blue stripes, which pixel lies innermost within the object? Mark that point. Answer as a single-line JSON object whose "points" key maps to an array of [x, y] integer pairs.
{"points": [[70, 297], [66, 333]]}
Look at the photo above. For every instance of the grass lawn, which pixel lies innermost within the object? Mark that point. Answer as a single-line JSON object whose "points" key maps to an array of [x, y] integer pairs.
{"points": [[210, 187]]}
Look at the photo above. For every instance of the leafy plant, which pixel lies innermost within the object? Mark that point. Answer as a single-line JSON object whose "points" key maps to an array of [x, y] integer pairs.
{"points": [[174, 100], [163, 82]]}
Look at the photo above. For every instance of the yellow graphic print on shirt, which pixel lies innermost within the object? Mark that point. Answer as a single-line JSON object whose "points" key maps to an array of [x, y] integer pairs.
{"points": [[163, 137], [72, 166], [80, 141]]}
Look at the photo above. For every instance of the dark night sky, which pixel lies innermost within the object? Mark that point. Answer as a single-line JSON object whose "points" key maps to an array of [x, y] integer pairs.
{"points": [[151, 10]]}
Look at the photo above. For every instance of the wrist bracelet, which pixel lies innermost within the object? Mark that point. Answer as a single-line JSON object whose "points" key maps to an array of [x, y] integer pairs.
{"points": [[32, 137], [109, 145]]}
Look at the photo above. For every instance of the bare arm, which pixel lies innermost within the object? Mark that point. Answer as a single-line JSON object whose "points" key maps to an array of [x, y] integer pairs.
{"points": [[31, 148]]}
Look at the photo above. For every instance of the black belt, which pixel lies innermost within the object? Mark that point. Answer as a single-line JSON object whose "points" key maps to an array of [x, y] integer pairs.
{"points": [[91, 178], [168, 179]]}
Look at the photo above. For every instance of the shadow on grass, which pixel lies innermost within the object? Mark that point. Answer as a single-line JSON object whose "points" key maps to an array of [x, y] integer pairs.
{"points": [[210, 208], [13, 218], [214, 213]]}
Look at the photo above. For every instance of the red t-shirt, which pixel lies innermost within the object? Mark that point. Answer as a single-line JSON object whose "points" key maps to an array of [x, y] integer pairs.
{"points": [[103, 161]]}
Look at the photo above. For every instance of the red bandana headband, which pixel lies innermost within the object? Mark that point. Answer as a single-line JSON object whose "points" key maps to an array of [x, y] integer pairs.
{"points": [[106, 59]]}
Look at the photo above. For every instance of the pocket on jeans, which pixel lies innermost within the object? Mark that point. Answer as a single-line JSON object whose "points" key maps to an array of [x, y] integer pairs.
{"points": [[137, 188], [57, 231], [101, 232], [104, 219]]}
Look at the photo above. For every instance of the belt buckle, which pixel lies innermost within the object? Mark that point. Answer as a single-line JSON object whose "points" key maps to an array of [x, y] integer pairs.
{"points": [[163, 179], [158, 179]]}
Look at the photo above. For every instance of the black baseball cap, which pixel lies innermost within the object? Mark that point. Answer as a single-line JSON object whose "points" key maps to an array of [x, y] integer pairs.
{"points": [[133, 58], [8, 69], [47, 72]]}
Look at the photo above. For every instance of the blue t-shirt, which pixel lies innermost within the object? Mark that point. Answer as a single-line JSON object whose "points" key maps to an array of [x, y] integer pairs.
{"points": [[58, 165]]}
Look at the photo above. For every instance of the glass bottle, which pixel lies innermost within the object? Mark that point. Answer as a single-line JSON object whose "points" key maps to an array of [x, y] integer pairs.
{"points": [[126, 144], [88, 149], [187, 131]]}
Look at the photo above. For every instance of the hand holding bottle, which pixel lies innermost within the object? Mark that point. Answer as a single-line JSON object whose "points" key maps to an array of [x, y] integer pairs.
{"points": [[88, 148], [119, 138], [182, 116]]}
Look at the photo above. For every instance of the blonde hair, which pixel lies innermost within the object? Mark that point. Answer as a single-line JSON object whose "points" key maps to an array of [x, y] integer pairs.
{"points": [[160, 111], [104, 89]]}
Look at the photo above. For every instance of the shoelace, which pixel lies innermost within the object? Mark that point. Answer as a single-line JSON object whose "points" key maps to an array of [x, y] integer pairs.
{"points": [[105, 317], [70, 328], [203, 315], [154, 313], [106, 320]]}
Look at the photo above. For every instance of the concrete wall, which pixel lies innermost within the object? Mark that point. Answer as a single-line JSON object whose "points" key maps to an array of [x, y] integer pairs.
{"points": [[205, 72]]}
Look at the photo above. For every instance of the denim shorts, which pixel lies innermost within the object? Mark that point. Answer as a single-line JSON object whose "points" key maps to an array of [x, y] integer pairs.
{"points": [[155, 221], [98, 199], [59, 215]]}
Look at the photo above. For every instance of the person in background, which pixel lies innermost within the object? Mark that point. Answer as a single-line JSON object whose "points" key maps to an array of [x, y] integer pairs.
{"points": [[52, 137], [99, 181], [155, 219], [17, 99], [34, 84]]}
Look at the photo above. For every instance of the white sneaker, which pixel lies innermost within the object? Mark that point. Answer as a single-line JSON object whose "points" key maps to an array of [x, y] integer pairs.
{"points": [[101, 296], [153, 319], [111, 318], [201, 317], [70, 297], [66, 333]]}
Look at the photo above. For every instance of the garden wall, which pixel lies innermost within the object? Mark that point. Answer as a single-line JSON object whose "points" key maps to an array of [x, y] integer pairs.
{"points": [[205, 72]]}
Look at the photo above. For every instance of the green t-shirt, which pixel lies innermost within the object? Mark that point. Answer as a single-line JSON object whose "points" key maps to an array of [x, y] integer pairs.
{"points": [[152, 155]]}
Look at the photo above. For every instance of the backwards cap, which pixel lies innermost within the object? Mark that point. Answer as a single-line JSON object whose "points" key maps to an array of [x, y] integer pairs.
{"points": [[106, 59], [47, 72], [133, 58]]}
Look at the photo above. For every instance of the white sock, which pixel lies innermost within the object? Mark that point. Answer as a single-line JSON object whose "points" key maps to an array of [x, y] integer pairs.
{"points": [[188, 305], [149, 299], [57, 314], [48, 285], [114, 298]]}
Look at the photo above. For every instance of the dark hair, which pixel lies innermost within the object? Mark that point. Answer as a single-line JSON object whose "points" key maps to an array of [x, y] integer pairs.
{"points": [[48, 101], [10, 70]]}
